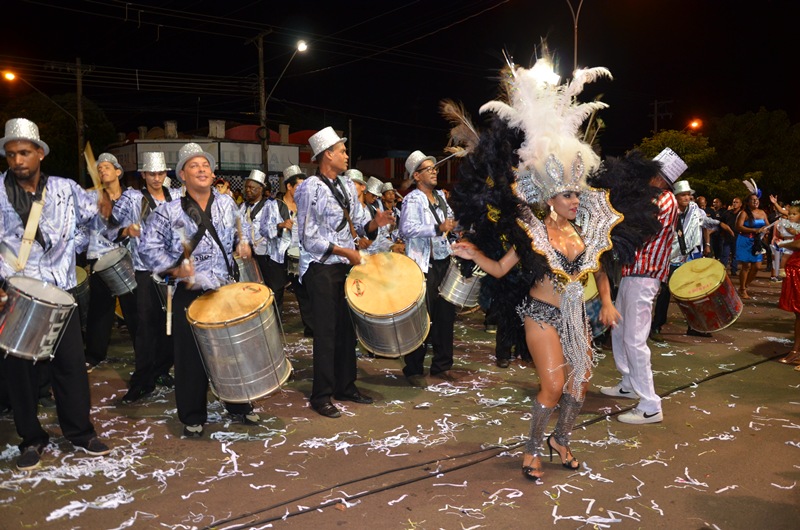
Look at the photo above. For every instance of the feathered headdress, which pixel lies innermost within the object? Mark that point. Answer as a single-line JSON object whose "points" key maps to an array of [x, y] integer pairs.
{"points": [[751, 185], [553, 157], [463, 135]]}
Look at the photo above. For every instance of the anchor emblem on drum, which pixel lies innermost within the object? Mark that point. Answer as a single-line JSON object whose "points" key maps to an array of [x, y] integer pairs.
{"points": [[358, 288]]}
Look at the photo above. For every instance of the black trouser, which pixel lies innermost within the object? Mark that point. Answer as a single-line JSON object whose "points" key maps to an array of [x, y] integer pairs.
{"points": [[191, 380], [70, 388], [661, 308], [334, 335], [275, 278], [102, 305], [153, 351], [443, 316]]}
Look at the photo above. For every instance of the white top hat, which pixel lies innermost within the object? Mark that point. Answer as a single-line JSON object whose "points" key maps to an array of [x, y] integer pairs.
{"points": [[374, 186], [387, 186], [682, 187], [111, 159], [292, 171], [257, 176], [190, 151], [22, 129], [355, 175], [324, 139], [672, 166], [415, 159], [153, 162]]}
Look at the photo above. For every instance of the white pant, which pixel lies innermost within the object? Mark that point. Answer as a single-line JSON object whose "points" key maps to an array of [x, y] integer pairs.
{"points": [[629, 339]]}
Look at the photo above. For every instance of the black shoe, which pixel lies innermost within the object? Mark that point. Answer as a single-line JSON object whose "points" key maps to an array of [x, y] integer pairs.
{"points": [[503, 363], [490, 328], [655, 334], [29, 459], [357, 397], [165, 380], [135, 394], [94, 447], [328, 410], [193, 431], [417, 380], [47, 402], [251, 418], [567, 459], [694, 333], [446, 375]]}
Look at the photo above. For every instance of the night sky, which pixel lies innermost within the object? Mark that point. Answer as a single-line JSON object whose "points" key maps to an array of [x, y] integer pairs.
{"points": [[382, 67]]}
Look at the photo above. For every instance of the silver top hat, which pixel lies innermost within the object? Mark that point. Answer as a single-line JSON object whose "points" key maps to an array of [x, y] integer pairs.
{"points": [[189, 151], [257, 176], [324, 139], [682, 187], [22, 129], [387, 186], [356, 176], [111, 159], [292, 171], [153, 162], [672, 166], [374, 186], [415, 159]]}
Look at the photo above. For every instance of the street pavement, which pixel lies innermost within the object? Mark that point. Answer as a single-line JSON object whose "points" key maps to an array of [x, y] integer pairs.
{"points": [[726, 456]]}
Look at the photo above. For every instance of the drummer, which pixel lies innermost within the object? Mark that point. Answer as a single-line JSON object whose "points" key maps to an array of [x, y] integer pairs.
{"points": [[280, 230], [424, 224], [389, 200], [105, 236], [692, 240], [357, 178], [52, 259], [152, 348], [381, 239], [329, 220], [253, 209], [200, 255]]}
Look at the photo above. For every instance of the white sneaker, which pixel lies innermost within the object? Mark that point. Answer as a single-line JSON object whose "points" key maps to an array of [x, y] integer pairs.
{"points": [[618, 391], [638, 417]]}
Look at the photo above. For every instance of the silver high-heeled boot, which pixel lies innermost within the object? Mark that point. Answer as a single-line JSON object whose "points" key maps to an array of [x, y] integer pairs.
{"points": [[569, 409], [540, 416]]}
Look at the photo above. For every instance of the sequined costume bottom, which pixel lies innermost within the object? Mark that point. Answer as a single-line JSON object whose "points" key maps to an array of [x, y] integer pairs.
{"points": [[540, 312]]}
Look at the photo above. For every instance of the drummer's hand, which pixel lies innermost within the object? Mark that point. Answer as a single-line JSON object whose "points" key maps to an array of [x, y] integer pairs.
{"points": [[464, 249], [352, 255], [400, 248], [184, 270], [384, 217], [447, 225], [133, 230], [609, 316], [706, 250], [287, 224], [363, 243], [243, 249], [3, 299]]}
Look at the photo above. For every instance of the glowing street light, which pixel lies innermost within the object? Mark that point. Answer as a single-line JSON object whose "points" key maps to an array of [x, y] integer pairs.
{"points": [[301, 48], [11, 76], [693, 126]]}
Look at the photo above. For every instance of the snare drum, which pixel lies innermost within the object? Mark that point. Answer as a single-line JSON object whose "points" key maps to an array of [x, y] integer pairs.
{"points": [[591, 299], [706, 295], [239, 337], [248, 270], [34, 317], [81, 294], [293, 261], [386, 296], [116, 269], [458, 290]]}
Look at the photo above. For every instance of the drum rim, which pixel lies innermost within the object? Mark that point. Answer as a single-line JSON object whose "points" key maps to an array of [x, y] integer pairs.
{"points": [[122, 251], [700, 296], [711, 289], [403, 311], [227, 323], [47, 303], [732, 322]]}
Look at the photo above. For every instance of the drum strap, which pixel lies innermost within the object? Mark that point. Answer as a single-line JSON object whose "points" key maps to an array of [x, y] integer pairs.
{"points": [[340, 195], [30, 232], [149, 204], [205, 224]]}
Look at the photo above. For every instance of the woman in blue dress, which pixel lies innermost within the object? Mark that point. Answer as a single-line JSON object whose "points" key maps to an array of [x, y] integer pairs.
{"points": [[751, 223]]}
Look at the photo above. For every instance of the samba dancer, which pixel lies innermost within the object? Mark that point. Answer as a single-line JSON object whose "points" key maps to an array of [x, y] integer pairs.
{"points": [[153, 349], [329, 221], [51, 259], [425, 221], [532, 149], [104, 236], [192, 240], [279, 227]]}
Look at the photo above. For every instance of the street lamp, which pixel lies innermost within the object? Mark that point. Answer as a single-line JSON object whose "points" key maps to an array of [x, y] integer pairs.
{"points": [[693, 125], [11, 76], [300, 47]]}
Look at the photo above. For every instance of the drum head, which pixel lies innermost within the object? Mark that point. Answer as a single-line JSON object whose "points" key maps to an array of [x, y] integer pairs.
{"points": [[39, 290], [80, 274], [590, 289], [110, 258], [229, 303], [386, 284], [696, 279]]}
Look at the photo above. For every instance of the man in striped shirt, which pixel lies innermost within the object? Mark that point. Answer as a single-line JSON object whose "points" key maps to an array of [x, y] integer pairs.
{"points": [[637, 290]]}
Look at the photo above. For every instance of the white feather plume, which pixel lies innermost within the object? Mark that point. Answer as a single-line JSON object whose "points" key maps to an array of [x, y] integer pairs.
{"points": [[751, 186]]}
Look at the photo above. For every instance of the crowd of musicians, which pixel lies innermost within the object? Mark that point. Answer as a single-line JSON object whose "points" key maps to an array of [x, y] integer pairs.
{"points": [[185, 242]]}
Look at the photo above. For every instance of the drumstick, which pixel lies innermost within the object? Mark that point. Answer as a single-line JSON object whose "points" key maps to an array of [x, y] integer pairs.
{"points": [[169, 308]]}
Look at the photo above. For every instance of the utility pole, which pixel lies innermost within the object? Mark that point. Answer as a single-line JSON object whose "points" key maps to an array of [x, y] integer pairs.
{"points": [[258, 40], [79, 116], [656, 114]]}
